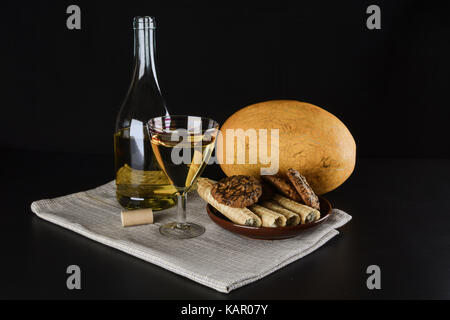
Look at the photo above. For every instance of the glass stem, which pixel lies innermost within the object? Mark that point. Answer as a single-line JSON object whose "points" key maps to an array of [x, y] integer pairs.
{"points": [[181, 212]]}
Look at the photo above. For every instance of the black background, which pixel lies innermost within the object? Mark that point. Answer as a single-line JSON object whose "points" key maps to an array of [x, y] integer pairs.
{"points": [[389, 86]]}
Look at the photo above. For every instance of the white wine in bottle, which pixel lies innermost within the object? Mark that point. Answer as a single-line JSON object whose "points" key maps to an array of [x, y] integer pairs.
{"points": [[140, 181]]}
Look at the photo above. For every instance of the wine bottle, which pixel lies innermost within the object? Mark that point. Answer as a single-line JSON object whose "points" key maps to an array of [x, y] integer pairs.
{"points": [[139, 179]]}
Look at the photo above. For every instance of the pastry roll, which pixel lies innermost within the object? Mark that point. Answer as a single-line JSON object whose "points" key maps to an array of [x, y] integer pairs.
{"points": [[307, 214], [241, 216], [292, 218], [269, 218]]}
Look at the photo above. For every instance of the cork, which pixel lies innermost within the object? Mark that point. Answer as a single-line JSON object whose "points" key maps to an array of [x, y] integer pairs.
{"points": [[136, 217]]}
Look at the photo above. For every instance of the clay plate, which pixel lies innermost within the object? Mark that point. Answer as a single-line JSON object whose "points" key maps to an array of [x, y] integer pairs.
{"points": [[269, 233]]}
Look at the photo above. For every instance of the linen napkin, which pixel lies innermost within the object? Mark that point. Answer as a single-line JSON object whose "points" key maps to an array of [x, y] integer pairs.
{"points": [[218, 259]]}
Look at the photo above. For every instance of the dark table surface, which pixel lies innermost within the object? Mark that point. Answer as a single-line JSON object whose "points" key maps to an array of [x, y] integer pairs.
{"points": [[401, 222]]}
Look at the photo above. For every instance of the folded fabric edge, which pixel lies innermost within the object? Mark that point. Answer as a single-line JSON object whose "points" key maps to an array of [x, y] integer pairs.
{"points": [[77, 228], [328, 236]]}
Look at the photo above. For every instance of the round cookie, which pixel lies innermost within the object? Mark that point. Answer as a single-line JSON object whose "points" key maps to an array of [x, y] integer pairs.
{"points": [[237, 191]]}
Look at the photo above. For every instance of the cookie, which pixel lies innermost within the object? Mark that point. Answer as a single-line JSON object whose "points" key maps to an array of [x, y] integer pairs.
{"points": [[284, 187], [305, 191], [267, 191], [237, 191]]}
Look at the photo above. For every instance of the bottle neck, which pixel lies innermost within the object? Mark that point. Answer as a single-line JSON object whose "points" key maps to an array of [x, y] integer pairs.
{"points": [[144, 53]]}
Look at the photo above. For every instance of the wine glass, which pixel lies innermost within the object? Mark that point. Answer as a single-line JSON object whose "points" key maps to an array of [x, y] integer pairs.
{"points": [[182, 146]]}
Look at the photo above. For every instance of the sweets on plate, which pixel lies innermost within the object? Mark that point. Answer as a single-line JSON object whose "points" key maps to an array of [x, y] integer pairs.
{"points": [[242, 199], [241, 216], [307, 214], [268, 217]]}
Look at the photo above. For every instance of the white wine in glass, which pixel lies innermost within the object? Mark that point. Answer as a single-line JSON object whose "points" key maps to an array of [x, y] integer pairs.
{"points": [[182, 146]]}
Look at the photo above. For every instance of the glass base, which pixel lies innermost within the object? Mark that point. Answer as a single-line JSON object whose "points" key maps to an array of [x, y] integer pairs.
{"points": [[186, 230]]}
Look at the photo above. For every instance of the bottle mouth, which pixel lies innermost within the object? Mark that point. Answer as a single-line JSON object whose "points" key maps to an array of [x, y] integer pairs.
{"points": [[145, 22]]}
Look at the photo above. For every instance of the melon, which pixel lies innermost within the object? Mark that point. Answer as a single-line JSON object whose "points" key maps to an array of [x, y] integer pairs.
{"points": [[310, 140]]}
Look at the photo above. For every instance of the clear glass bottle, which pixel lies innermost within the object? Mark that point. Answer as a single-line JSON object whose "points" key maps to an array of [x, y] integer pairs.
{"points": [[140, 181]]}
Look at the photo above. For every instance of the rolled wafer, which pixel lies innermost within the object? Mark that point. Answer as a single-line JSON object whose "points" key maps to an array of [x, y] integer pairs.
{"points": [[283, 186], [269, 218], [292, 218], [307, 214], [241, 216]]}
